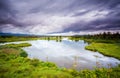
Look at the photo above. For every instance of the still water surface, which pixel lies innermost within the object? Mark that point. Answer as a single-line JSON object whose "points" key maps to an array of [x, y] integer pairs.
{"points": [[68, 54]]}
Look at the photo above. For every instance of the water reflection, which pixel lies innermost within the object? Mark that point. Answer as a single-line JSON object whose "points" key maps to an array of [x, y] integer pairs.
{"points": [[68, 54], [56, 38]]}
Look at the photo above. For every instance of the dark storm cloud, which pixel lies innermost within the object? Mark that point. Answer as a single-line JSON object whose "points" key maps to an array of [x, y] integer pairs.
{"points": [[111, 20], [49, 16], [5, 12], [100, 24]]}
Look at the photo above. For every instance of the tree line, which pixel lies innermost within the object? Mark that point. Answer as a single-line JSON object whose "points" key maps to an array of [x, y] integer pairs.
{"points": [[105, 35]]}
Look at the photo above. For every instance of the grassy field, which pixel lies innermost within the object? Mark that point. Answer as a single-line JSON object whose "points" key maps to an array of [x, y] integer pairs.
{"points": [[23, 38], [14, 63], [18, 45], [101, 41], [109, 49], [15, 38]]}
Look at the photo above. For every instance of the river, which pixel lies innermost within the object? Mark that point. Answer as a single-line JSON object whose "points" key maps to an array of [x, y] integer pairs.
{"points": [[68, 54]]}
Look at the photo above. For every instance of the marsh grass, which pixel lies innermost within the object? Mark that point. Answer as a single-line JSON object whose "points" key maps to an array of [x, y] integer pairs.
{"points": [[109, 49], [13, 65], [18, 45]]}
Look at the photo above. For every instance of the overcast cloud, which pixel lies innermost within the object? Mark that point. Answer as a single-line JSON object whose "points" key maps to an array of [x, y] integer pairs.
{"points": [[59, 16]]}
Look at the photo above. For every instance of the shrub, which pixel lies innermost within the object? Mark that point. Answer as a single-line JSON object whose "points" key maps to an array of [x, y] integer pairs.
{"points": [[23, 54], [34, 62]]}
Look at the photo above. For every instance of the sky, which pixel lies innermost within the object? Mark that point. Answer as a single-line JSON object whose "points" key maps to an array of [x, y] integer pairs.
{"points": [[59, 16]]}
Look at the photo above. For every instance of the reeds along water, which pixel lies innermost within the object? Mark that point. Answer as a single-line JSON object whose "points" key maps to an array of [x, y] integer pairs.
{"points": [[47, 58], [97, 66], [75, 62]]}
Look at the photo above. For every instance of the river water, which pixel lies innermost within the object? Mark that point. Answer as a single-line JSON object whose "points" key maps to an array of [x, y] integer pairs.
{"points": [[68, 54]]}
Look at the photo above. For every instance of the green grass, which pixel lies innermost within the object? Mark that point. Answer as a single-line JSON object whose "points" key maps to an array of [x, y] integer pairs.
{"points": [[23, 38], [18, 45], [15, 65], [109, 49], [101, 41], [14, 38]]}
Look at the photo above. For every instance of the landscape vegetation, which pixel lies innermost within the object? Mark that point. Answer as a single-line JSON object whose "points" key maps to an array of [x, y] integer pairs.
{"points": [[59, 38], [15, 63]]}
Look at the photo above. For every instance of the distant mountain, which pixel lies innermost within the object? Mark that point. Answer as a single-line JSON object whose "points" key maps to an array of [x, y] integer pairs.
{"points": [[14, 34], [18, 34]]}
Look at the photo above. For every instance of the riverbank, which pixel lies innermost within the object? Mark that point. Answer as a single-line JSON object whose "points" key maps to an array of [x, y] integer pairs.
{"points": [[4, 39], [108, 49], [15, 38], [14, 63]]}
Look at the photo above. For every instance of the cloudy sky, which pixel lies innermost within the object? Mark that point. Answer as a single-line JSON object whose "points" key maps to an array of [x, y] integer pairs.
{"points": [[59, 16]]}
